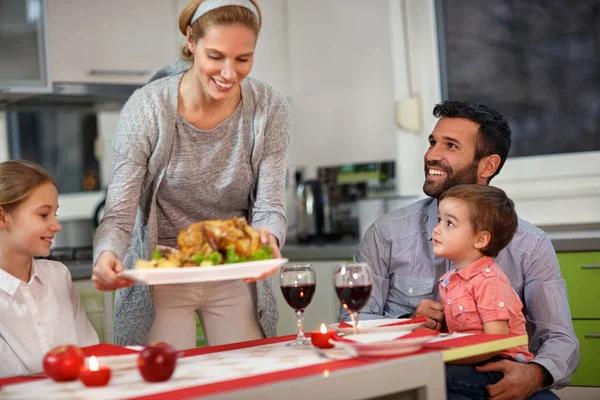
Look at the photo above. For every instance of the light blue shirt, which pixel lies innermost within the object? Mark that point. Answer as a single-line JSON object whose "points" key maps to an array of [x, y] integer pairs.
{"points": [[398, 247]]}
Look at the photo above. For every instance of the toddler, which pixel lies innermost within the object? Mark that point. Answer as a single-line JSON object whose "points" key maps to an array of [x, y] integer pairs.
{"points": [[475, 223]]}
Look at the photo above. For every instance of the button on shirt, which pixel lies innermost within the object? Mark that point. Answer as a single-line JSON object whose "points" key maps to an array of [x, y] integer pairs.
{"points": [[481, 293], [39, 315], [399, 249]]}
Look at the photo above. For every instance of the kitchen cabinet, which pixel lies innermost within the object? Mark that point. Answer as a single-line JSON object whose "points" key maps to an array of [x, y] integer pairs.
{"points": [[324, 307], [24, 61], [581, 271], [110, 41], [98, 307], [271, 55]]}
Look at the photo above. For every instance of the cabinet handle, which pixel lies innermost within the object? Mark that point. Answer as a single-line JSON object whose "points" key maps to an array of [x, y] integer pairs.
{"points": [[592, 335], [590, 266], [114, 72]]}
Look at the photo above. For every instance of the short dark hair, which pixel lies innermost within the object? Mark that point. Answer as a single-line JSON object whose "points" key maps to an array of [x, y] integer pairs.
{"points": [[491, 210], [494, 133]]}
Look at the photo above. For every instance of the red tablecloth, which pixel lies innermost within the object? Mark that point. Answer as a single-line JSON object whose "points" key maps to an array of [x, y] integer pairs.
{"points": [[267, 378]]}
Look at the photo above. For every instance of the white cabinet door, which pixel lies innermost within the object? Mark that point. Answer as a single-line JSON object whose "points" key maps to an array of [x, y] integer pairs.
{"points": [[24, 62], [271, 57], [109, 41], [324, 307]]}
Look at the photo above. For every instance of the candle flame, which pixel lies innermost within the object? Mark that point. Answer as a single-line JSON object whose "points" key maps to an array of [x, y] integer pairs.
{"points": [[323, 329], [93, 363]]}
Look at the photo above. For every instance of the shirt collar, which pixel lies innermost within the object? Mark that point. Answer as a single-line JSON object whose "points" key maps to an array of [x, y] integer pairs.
{"points": [[34, 273], [432, 217], [476, 267], [10, 284]]}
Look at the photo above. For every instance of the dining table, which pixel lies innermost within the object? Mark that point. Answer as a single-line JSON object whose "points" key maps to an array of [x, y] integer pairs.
{"points": [[270, 369]]}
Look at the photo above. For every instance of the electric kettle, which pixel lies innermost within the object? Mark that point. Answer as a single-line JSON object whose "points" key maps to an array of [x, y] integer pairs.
{"points": [[313, 216]]}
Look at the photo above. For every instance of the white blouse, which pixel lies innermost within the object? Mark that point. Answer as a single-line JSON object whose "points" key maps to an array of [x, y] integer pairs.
{"points": [[39, 315]]}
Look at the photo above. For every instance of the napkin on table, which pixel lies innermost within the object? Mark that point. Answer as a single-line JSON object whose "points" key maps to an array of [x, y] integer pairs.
{"points": [[416, 320]]}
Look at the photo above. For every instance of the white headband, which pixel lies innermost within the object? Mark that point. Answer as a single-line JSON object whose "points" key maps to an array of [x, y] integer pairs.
{"points": [[209, 5]]}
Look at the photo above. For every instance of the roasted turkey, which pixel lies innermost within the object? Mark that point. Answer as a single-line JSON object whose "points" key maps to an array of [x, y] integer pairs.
{"points": [[209, 243], [207, 236]]}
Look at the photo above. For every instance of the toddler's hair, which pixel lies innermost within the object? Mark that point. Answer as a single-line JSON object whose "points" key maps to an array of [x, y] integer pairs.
{"points": [[491, 210]]}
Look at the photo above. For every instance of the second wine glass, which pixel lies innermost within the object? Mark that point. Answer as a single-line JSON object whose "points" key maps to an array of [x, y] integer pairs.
{"points": [[298, 283], [353, 283]]}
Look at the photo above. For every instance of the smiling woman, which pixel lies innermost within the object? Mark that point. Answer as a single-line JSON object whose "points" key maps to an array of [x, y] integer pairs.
{"points": [[201, 141]]}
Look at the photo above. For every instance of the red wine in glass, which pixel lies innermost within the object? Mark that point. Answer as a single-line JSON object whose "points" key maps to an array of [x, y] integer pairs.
{"points": [[354, 297], [298, 284], [353, 283], [299, 297]]}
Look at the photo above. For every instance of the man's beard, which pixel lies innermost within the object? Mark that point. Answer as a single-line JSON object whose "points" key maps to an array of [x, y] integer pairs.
{"points": [[467, 175]]}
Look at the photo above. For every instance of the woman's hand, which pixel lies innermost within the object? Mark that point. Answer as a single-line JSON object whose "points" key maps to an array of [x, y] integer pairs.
{"points": [[267, 238], [104, 273]]}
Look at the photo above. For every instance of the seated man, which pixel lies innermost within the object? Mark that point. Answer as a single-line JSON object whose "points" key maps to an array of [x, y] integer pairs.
{"points": [[469, 145]]}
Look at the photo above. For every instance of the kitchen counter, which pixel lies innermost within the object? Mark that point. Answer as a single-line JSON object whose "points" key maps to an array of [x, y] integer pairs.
{"points": [[563, 240], [571, 239]]}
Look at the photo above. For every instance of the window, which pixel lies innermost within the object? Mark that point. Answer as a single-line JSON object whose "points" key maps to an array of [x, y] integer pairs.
{"points": [[536, 61]]}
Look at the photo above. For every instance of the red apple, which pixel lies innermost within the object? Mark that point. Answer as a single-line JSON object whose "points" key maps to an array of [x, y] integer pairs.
{"points": [[157, 362], [63, 363]]}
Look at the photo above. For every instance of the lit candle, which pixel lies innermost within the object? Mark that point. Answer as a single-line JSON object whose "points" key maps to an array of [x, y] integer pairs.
{"points": [[94, 374], [322, 338]]}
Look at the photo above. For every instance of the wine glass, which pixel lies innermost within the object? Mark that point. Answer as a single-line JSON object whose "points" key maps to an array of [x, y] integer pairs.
{"points": [[298, 283], [353, 283]]}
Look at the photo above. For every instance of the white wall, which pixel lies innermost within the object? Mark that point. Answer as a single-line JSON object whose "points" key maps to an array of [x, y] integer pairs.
{"points": [[332, 60], [341, 82]]}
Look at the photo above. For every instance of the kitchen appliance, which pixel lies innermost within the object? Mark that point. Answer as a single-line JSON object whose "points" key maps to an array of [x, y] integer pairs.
{"points": [[74, 234], [73, 247], [350, 187], [294, 175], [314, 215]]}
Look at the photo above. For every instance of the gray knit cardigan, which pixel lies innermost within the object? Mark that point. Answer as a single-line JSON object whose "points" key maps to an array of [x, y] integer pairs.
{"points": [[154, 107]]}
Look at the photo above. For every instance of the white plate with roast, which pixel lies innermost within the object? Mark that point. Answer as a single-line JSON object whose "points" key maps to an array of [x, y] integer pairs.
{"points": [[213, 273]]}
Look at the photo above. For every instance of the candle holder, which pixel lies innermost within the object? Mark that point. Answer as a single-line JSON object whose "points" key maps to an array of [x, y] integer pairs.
{"points": [[323, 337], [94, 375]]}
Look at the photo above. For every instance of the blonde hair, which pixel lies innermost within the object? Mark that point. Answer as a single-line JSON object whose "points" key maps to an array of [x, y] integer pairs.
{"points": [[226, 15], [18, 179]]}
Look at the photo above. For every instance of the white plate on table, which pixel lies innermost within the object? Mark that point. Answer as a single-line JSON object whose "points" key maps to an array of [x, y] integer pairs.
{"points": [[385, 344], [123, 361], [224, 272], [376, 326]]}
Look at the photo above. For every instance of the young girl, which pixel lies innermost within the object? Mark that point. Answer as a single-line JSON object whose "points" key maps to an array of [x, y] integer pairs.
{"points": [[39, 306], [475, 223]]}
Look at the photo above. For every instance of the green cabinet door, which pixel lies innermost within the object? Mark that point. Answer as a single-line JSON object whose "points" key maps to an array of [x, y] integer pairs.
{"points": [[588, 333], [581, 271], [92, 302], [200, 339]]}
